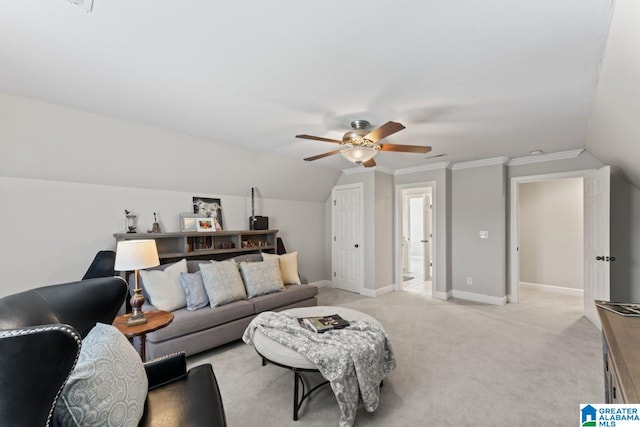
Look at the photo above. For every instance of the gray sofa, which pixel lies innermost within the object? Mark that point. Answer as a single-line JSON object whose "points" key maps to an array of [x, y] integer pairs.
{"points": [[206, 328]]}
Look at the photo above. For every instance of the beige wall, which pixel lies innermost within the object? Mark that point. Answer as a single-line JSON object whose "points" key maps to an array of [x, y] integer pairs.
{"points": [[551, 230]]}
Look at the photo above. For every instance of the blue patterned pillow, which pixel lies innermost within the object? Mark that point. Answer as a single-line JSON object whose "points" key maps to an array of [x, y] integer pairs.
{"points": [[194, 289], [108, 385]]}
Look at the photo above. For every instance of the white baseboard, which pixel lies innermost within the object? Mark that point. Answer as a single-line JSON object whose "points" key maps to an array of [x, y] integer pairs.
{"points": [[322, 283], [553, 289], [441, 295], [376, 292], [472, 296]]}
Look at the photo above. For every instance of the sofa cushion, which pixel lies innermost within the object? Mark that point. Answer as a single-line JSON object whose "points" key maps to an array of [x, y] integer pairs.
{"points": [[223, 282], [261, 278], [292, 294], [186, 322], [194, 290], [164, 288], [107, 387], [288, 267]]}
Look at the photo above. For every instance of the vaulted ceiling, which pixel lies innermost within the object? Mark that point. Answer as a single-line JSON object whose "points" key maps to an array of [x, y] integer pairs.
{"points": [[472, 79]]}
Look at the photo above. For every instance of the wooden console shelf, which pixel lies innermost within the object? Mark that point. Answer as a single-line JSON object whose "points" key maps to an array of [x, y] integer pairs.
{"points": [[212, 245], [621, 351]]}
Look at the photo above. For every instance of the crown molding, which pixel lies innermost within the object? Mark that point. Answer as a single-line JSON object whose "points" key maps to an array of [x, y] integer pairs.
{"points": [[482, 162], [422, 168], [570, 154]]}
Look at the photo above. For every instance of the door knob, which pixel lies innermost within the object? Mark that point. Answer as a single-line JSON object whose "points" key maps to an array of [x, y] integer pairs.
{"points": [[356, 246]]}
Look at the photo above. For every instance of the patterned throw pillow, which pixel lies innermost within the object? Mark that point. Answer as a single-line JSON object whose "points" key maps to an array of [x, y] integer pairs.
{"points": [[288, 266], [194, 288], [222, 282], [261, 277], [107, 387]]}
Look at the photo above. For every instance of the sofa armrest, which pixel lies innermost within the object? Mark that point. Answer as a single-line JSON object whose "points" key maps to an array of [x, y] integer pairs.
{"points": [[166, 369]]}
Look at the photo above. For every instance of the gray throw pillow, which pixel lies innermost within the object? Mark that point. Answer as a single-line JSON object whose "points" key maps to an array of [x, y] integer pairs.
{"points": [[194, 289], [222, 282], [261, 277], [108, 385]]}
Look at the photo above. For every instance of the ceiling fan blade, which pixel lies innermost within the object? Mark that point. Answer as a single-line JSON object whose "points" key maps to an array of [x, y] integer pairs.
{"points": [[319, 156], [369, 163], [319, 138], [405, 148], [384, 131]]}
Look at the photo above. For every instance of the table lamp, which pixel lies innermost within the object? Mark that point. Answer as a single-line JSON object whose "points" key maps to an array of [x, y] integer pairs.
{"points": [[134, 255]]}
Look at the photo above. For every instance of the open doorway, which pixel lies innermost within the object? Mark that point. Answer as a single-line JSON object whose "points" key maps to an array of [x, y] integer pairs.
{"points": [[551, 238], [415, 233], [547, 218]]}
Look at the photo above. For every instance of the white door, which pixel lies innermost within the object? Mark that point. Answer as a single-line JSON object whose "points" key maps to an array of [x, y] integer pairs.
{"points": [[596, 240], [347, 245], [426, 239], [416, 236]]}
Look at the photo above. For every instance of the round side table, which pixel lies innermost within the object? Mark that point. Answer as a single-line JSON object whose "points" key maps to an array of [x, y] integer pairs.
{"points": [[157, 319]]}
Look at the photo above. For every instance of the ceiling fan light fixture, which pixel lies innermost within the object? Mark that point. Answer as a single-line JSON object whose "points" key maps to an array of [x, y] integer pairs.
{"points": [[358, 154]]}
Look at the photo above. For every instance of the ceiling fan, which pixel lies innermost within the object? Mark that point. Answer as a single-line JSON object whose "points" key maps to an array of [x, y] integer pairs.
{"points": [[360, 144]]}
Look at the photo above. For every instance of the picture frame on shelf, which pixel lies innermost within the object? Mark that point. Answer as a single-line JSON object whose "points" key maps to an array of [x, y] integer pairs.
{"points": [[188, 221], [210, 207], [205, 224]]}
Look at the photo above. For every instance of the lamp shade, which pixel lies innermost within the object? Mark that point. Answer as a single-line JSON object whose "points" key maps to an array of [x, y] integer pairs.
{"points": [[136, 255], [358, 154]]}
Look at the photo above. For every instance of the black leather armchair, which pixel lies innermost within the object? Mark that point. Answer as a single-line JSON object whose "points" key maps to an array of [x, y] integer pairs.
{"points": [[41, 333]]}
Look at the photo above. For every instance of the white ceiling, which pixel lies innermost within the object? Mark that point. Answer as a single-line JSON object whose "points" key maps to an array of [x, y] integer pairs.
{"points": [[473, 79]]}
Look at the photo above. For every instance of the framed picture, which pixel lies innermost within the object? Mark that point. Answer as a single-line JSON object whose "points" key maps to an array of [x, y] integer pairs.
{"points": [[205, 224], [211, 208], [188, 221]]}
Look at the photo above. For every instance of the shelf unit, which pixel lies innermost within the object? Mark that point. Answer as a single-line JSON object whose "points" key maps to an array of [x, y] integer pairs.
{"points": [[212, 245]]}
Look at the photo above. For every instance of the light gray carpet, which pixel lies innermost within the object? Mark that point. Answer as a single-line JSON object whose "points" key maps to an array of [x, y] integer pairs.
{"points": [[459, 364]]}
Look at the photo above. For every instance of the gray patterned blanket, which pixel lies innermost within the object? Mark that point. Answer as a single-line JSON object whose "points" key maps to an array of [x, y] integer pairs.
{"points": [[354, 359]]}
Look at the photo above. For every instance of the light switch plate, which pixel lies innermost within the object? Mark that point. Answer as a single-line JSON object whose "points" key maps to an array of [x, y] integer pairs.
{"points": [[484, 234]]}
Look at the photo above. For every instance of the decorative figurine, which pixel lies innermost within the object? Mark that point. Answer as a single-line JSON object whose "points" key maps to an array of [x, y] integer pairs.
{"points": [[130, 221], [155, 228]]}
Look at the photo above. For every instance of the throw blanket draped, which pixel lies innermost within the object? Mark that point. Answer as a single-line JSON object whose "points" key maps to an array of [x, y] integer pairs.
{"points": [[353, 359]]}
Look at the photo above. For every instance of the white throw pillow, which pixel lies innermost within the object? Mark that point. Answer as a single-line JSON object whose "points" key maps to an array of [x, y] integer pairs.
{"points": [[288, 267], [164, 287], [108, 385]]}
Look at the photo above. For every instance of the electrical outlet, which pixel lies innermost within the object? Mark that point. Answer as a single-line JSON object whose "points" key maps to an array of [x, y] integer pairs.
{"points": [[484, 234], [469, 281]]}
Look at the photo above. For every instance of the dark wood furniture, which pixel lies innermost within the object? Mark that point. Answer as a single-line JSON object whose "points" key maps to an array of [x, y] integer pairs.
{"points": [[621, 353], [155, 320]]}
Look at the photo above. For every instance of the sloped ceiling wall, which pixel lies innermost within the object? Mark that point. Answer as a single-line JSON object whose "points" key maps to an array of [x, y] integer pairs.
{"points": [[614, 131], [51, 142]]}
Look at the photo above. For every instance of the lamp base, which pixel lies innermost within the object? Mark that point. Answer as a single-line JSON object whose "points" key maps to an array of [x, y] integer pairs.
{"points": [[139, 319], [137, 300]]}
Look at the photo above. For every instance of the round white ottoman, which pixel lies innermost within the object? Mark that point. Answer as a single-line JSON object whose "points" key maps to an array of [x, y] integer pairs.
{"points": [[278, 353], [283, 356]]}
